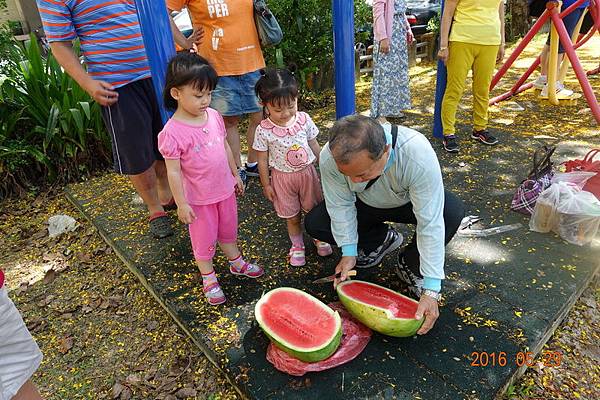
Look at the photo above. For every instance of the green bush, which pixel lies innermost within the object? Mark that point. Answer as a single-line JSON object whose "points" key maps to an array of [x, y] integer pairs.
{"points": [[434, 24], [49, 127], [308, 32]]}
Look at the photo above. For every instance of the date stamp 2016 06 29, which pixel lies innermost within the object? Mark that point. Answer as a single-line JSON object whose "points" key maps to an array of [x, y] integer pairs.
{"points": [[501, 358]]}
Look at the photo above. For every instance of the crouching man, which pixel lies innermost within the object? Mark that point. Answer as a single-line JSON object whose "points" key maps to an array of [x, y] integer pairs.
{"points": [[372, 174]]}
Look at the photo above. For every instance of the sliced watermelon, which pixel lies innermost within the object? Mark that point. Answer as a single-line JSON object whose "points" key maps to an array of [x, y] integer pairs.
{"points": [[379, 308], [299, 324]]}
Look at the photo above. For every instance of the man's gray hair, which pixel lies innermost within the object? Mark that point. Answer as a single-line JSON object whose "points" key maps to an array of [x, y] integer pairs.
{"points": [[352, 134]]}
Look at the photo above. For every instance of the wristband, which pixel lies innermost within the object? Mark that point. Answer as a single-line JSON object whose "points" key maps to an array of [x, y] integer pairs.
{"points": [[432, 293]]}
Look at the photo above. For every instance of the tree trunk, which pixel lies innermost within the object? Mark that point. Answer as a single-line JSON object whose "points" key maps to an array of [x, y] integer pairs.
{"points": [[517, 19]]}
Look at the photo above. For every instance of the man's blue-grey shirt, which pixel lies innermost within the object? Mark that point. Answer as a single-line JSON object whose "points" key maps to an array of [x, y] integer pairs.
{"points": [[411, 175]]}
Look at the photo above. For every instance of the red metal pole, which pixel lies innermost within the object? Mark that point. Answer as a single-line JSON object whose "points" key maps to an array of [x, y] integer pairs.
{"points": [[511, 93], [594, 10], [518, 87], [515, 54], [579, 72], [570, 9]]}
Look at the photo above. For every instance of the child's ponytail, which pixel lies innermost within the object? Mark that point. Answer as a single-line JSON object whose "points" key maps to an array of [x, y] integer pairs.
{"points": [[277, 86]]}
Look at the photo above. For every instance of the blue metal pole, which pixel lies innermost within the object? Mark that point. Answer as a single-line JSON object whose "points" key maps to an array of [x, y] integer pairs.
{"points": [[440, 89], [159, 43], [343, 48]]}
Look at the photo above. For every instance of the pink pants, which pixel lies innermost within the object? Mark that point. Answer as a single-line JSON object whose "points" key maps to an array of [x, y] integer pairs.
{"points": [[214, 223]]}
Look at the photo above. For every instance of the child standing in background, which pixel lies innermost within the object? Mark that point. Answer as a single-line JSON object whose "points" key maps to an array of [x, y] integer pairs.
{"points": [[201, 170], [286, 142]]}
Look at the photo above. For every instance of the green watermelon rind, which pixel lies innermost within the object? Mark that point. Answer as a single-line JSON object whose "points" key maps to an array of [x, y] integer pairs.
{"points": [[379, 319], [310, 355]]}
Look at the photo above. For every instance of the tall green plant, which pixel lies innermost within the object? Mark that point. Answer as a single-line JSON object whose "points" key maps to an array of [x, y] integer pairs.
{"points": [[10, 51], [61, 109], [308, 32], [52, 120]]}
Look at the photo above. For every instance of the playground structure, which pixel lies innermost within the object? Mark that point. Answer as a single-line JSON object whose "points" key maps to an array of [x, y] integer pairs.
{"points": [[559, 33], [570, 44]]}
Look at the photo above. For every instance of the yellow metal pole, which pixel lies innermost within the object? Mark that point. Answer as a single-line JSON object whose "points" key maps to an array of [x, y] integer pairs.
{"points": [[553, 59], [564, 68]]}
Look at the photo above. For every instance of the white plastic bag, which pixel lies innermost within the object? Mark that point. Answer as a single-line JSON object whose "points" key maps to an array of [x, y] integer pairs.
{"points": [[59, 224], [545, 216], [579, 218], [576, 178]]}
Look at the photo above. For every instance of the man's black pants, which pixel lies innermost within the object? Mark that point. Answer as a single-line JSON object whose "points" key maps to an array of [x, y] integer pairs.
{"points": [[372, 229]]}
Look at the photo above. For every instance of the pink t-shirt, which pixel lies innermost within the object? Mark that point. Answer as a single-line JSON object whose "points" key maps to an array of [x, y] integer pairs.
{"points": [[206, 175], [288, 146]]}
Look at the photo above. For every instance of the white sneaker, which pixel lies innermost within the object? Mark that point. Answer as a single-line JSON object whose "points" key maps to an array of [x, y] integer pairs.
{"points": [[561, 92], [540, 82]]}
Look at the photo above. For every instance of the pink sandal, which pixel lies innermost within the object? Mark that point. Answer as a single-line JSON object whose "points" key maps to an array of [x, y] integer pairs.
{"points": [[214, 294], [323, 249], [248, 270], [297, 256]]}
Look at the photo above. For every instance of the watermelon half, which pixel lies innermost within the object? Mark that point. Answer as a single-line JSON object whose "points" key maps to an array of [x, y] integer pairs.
{"points": [[299, 324], [379, 308]]}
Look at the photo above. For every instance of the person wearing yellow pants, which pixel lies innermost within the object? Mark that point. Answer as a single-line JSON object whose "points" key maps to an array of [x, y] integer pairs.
{"points": [[475, 42]]}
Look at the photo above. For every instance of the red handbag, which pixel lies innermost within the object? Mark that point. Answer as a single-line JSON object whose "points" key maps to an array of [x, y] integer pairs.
{"points": [[587, 164]]}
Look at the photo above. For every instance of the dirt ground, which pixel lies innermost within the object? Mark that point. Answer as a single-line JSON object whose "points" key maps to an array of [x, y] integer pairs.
{"points": [[104, 337]]}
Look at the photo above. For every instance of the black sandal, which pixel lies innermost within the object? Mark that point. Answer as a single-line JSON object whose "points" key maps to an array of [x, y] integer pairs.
{"points": [[160, 225]]}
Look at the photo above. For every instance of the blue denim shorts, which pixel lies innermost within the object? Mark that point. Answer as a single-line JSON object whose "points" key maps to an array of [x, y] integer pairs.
{"points": [[234, 95], [570, 22]]}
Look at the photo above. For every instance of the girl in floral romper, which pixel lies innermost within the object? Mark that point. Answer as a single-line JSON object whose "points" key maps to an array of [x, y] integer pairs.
{"points": [[286, 142]]}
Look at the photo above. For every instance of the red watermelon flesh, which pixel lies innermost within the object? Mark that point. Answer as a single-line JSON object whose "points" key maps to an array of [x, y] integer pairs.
{"points": [[380, 308], [383, 298], [299, 324], [306, 328]]}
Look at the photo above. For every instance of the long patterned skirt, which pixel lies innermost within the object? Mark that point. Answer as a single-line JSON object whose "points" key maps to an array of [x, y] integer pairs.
{"points": [[391, 87]]}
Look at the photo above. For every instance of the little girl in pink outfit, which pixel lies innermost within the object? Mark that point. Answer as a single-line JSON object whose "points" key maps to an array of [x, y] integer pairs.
{"points": [[286, 142], [202, 172]]}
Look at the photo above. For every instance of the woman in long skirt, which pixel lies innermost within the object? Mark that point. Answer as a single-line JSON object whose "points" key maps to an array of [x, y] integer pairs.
{"points": [[391, 87]]}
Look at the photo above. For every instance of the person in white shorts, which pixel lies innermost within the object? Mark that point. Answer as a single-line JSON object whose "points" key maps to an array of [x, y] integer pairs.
{"points": [[20, 356]]}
